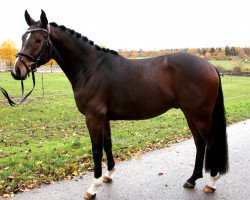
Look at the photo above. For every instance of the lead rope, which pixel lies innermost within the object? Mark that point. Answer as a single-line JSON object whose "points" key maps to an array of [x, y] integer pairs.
{"points": [[23, 98]]}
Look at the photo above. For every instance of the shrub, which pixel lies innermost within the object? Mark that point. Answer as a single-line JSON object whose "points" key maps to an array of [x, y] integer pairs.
{"points": [[247, 69], [237, 66]]}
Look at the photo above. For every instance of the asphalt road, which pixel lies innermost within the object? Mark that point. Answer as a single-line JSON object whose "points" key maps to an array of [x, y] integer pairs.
{"points": [[160, 175]]}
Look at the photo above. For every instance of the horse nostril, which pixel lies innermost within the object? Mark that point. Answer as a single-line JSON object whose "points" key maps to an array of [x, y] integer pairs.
{"points": [[18, 72]]}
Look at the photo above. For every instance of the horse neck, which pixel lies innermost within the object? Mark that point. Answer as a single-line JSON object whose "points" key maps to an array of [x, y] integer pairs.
{"points": [[74, 56]]}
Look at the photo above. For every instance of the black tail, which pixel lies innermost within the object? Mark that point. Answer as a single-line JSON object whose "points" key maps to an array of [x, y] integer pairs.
{"points": [[217, 154]]}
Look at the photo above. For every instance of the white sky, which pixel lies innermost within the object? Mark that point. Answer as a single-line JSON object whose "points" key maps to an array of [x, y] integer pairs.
{"points": [[135, 24]]}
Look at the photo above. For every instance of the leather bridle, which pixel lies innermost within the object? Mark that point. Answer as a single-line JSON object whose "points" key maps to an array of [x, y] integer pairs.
{"points": [[35, 60]]}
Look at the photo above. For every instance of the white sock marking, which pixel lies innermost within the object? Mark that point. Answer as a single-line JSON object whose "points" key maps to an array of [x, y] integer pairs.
{"points": [[109, 174], [97, 182], [212, 180]]}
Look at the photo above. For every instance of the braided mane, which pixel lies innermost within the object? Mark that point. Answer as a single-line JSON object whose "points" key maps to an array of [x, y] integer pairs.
{"points": [[85, 39]]}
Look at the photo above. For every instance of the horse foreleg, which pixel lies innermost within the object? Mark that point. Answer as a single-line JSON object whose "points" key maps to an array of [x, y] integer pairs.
{"points": [[96, 129], [91, 192], [108, 150]]}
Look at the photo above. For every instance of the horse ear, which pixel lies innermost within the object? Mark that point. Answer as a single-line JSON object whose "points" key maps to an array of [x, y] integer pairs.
{"points": [[30, 21], [43, 18]]}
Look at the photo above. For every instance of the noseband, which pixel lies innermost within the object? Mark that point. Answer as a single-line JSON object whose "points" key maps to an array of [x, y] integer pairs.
{"points": [[35, 60]]}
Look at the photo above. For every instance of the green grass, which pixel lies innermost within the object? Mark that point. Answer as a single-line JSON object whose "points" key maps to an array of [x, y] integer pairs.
{"points": [[46, 139]]}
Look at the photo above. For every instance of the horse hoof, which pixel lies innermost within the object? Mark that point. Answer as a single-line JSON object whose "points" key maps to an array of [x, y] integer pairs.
{"points": [[208, 189], [189, 185], [89, 196], [107, 179]]}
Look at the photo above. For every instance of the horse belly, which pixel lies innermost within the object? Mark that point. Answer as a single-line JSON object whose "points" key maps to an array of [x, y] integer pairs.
{"points": [[143, 108]]}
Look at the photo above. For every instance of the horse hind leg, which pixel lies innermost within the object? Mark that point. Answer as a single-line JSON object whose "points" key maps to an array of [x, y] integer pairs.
{"points": [[200, 151], [215, 154], [212, 166], [217, 148]]}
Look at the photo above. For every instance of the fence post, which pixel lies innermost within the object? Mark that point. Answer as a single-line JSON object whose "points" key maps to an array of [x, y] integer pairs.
{"points": [[42, 85]]}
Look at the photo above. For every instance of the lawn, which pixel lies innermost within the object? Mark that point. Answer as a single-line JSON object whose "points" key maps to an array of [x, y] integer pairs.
{"points": [[46, 139]]}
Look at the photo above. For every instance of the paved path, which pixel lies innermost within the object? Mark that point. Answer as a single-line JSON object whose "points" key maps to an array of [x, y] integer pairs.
{"points": [[140, 179]]}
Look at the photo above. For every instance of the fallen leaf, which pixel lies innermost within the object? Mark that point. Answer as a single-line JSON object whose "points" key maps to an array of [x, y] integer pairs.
{"points": [[68, 177], [137, 157], [8, 195], [10, 178], [75, 173], [117, 160]]}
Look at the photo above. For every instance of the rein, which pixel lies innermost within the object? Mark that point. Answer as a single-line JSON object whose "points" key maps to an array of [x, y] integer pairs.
{"points": [[35, 60], [23, 98]]}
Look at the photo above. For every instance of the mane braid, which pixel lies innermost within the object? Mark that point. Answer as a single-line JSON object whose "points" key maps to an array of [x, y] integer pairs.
{"points": [[78, 35], [97, 47], [71, 31], [85, 39]]}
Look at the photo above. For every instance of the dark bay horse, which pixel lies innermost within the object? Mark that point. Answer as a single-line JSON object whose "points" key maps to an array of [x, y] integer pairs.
{"points": [[108, 87]]}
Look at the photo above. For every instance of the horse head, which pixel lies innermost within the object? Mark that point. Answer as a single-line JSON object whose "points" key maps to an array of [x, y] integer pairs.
{"points": [[36, 47]]}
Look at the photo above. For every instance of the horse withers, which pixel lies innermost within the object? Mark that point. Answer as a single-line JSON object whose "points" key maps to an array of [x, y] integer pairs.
{"points": [[108, 86]]}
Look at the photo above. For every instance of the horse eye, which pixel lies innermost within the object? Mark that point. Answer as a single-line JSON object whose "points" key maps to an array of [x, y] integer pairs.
{"points": [[38, 41]]}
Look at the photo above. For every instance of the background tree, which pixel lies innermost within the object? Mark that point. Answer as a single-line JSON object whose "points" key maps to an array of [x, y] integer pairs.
{"points": [[8, 52], [212, 50], [51, 63], [227, 51], [233, 51]]}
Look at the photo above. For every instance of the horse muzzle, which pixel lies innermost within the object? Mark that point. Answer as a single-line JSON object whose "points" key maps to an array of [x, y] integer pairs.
{"points": [[20, 71]]}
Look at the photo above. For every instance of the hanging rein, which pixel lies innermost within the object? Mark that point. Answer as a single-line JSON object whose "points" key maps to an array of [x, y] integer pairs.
{"points": [[30, 68]]}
